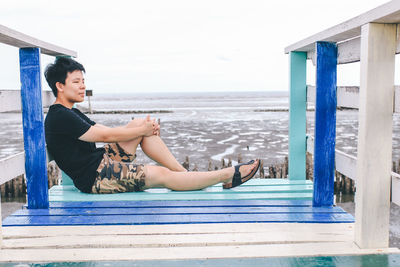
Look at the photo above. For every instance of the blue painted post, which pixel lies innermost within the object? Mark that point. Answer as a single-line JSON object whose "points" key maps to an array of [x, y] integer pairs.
{"points": [[325, 123], [297, 116], [32, 120]]}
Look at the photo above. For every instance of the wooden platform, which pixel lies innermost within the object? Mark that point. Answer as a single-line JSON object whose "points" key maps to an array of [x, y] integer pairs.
{"points": [[259, 201], [177, 242], [214, 224]]}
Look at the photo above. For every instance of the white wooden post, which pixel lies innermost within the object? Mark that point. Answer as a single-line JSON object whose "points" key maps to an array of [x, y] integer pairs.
{"points": [[374, 161]]}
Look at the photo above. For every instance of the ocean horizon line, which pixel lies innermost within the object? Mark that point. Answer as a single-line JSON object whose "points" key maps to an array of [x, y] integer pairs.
{"points": [[279, 92]]}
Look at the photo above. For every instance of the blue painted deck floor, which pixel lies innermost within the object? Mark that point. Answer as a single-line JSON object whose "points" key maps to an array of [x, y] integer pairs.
{"points": [[258, 201]]}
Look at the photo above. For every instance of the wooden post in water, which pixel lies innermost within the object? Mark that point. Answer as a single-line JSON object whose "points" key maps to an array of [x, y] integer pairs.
{"points": [[325, 123], [297, 115], [32, 120], [89, 93], [374, 152]]}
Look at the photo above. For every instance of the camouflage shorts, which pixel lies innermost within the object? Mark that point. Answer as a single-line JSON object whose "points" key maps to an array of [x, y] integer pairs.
{"points": [[117, 173]]}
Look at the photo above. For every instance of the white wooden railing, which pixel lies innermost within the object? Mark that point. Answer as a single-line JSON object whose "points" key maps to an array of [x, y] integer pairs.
{"points": [[373, 39], [10, 100], [348, 97]]}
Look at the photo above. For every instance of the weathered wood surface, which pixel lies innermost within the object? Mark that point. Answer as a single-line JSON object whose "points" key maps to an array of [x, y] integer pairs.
{"points": [[12, 167], [17, 39], [349, 50], [32, 121], [325, 124], [10, 100], [374, 161], [189, 211], [347, 96], [344, 163], [396, 188], [387, 13], [82, 243]]}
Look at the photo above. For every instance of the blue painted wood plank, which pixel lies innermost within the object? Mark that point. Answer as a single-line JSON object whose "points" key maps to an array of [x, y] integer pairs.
{"points": [[325, 123], [177, 219], [32, 120], [297, 116], [173, 210], [183, 203]]}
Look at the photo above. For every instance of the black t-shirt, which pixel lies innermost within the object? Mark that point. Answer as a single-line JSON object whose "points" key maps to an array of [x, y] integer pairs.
{"points": [[78, 159]]}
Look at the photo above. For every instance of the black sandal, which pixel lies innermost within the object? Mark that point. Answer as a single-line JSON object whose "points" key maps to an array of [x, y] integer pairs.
{"points": [[238, 179]]}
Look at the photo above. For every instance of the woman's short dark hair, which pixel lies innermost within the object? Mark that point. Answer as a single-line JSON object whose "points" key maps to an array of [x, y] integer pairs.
{"points": [[58, 71]]}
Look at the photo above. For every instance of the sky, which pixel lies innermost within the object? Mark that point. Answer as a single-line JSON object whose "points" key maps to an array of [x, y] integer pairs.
{"points": [[177, 45]]}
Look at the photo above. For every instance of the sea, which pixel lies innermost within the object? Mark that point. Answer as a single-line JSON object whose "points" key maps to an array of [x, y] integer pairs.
{"points": [[206, 127]]}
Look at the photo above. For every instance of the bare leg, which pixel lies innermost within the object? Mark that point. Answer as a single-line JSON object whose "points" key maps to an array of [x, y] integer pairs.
{"points": [[131, 146], [157, 176], [156, 149], [153, 147]]}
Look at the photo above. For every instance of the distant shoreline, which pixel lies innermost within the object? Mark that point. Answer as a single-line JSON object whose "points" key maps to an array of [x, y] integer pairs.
{"points": [[126, 111], [116, 111]]}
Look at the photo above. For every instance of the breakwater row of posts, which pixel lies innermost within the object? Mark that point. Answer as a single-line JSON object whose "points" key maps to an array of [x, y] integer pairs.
{"points": [[16, 188]]}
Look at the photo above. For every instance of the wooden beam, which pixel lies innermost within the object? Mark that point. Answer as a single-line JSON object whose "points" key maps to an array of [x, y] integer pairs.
{"points": [[374, 162], [32, 120], [325, 124], [311, 94], [12, 167], [10, 100], [386, 13], [297, 116], [346, 164], [396, 188], [197, 241], [347, 96], [16, 232], [18, 39], [349, 50], [396, 104]]}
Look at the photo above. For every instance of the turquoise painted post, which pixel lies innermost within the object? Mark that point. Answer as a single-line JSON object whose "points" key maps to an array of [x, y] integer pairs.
{"points": [[325, 123], [32, 120], [297, 116]]}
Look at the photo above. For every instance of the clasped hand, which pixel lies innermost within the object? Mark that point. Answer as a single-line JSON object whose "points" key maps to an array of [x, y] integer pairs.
{"points": [[151, 126]]}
